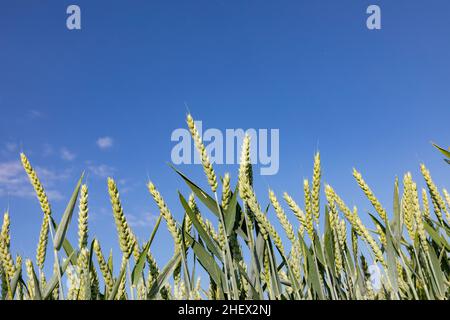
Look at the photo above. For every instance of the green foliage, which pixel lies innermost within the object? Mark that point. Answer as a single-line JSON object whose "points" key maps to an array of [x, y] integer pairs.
{"points": [[241, 262]]}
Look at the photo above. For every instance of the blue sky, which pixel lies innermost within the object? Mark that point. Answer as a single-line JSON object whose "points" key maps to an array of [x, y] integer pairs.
{"points": [[367, 99]]}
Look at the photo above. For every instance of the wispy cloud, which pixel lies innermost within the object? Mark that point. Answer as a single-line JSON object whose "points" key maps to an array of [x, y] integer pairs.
{"points": [[35, 114], [105, 143], [11, 146], [101, 170], [47, 150], [141, 221], [67, 155], [14, 182]]}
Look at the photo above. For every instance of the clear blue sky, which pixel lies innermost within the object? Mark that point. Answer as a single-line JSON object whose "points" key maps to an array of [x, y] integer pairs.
{"points": [[367, 99]]}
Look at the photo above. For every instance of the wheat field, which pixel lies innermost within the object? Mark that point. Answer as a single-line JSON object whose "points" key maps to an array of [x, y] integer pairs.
{"points": [[323, 251]]}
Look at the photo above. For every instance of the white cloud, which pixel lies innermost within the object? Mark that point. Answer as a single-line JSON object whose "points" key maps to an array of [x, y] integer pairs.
{"points": [[11, 146], [34, 114], [105, 143], [102, 170], [47, 150], [14, 181], [66, 154], [145, 220]]}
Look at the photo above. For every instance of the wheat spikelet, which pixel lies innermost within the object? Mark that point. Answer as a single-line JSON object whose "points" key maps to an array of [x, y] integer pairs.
{"points": [[447, 199], [40, 192], [165, 212], [83, 214], [426, 204], [337, 253], [121, 292], [245, 166], [83, 271], [74, 283], [41, 250], [381, 235], [207, 166], [124, 233], [407, 206], [136, 251], [226, 192], [438, 202], [6, 259], [211, 231], [222, 237], [349, 215], [45, 206], [315, 194], [4, 234], [248, 195], [153, 271], [245, 177], [308, 209], [370, 195], [365, 234], [420, 229], [287, 226], [342, 233], [295, 258], [355, 248], [30, 282], [299, 214], [193, 206], [107, 275], [266, 275]]}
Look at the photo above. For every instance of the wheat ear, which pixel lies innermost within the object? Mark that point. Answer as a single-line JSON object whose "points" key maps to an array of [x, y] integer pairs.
{"points": [[315, 194], [438, 202], [5, 254], [281, 215], [207, 166], [126, 239], [165, 212], [370, 195], [83, 214], [299, 214], [104, 268], [226, 191]]}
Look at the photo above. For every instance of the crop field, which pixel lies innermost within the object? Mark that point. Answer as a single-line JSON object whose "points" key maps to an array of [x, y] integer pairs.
{"points": [[323, 251]]}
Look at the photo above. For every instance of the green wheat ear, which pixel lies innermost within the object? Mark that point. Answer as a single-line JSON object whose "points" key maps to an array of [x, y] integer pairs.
{"points": [[126, 239], [207, 166], [83, 215]]}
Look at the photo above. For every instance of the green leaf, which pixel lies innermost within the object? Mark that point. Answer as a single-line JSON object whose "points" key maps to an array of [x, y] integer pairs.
{"points": [[210, 243], [438, 275], [51, 285], [37, 287], [115, 288], [391, 260], [68, 248], [443, 151], [15, 279], [186, 278], [230, 213], [435, 236], [137, 271], [164, 276], [206, 260], [65, 221], [208, 201], [396, 226]]}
